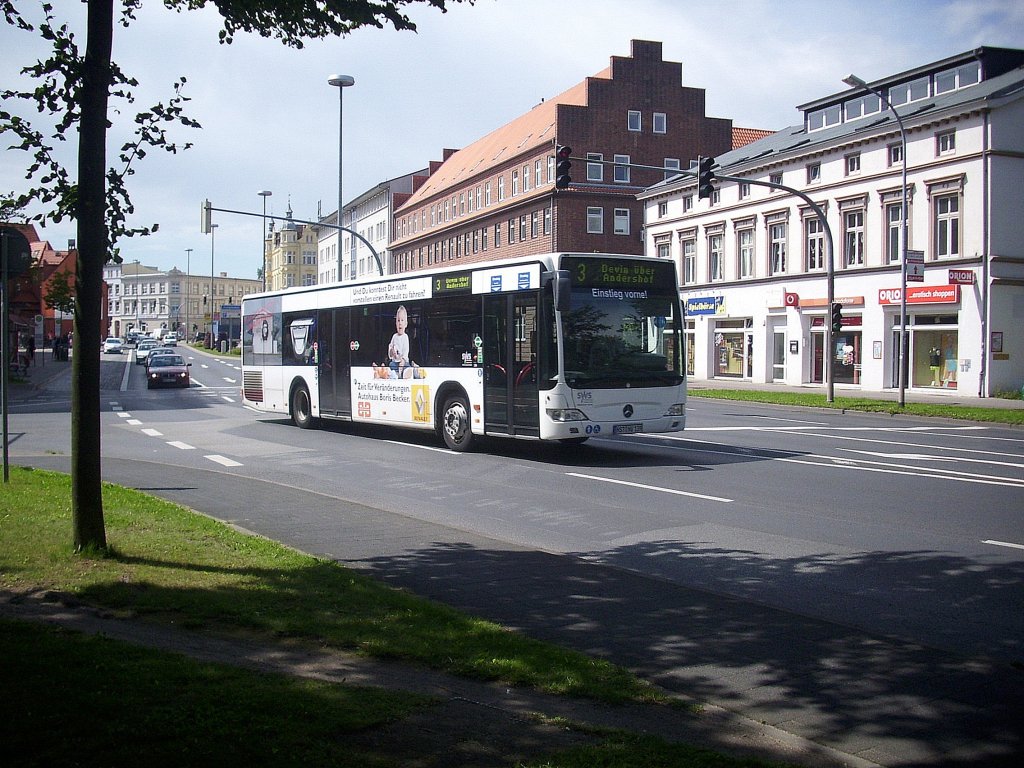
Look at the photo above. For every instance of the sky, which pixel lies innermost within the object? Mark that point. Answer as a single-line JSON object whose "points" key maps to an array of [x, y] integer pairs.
{"points": [[270, 120]]}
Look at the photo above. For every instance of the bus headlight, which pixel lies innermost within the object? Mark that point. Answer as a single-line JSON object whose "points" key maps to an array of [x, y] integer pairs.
{"points": [[679, 409], [566, 414]]}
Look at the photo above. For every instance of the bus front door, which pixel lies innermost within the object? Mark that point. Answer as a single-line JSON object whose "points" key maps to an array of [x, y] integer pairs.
{"points": [[511, 399]]}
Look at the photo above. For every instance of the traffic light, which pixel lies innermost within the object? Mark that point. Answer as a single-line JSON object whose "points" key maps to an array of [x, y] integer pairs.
{"points": [[837, 317], [705, 176], [562, 166]]}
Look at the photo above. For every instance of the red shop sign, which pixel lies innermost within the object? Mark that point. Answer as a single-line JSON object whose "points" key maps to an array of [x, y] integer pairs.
{"points": [[921, 294]]}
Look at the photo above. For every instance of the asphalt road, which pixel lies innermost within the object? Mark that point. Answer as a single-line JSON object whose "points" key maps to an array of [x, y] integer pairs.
{"points": [[720, 561]]}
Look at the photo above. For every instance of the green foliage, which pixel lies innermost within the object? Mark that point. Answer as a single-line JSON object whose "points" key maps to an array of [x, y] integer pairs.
{"points": [[174, 565], [72, 699], [60, 293], [965, 412]]}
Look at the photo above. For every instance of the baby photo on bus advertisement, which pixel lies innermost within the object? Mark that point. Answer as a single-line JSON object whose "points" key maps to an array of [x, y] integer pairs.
{"points": [[399, 365]]}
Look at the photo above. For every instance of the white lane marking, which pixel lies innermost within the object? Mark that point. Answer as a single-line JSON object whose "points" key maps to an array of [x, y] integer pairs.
{"points": [[898, 469], [649, 487], [228, 399], [124, 414], [152, 433], [926, 457], [230, 381], [179, 444], [423, 447], [995, 543], [223, 460], [133, 422]]}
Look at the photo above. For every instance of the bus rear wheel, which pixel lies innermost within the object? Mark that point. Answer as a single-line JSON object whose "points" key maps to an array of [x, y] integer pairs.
{"points": [[301, 410], [455, 426]]}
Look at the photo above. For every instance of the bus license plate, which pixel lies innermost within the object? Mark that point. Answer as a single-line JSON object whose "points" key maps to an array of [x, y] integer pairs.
{"points": [[627, 429]]}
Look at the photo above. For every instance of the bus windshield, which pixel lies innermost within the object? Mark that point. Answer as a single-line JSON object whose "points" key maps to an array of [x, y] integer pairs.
{"points": [[623, 325]]}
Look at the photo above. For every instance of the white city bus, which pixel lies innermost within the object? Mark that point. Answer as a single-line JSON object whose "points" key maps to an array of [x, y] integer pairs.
{"points": [[555, 347]]}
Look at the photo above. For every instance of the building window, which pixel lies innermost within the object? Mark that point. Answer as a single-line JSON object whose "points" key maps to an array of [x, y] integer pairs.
{"points": [[823, 118], [501, 188], [522, 228], [483, 239], [945, 143], [551, 170], [621, 171], [907, 92], [534, 224], [660, 122], [868, 104], [662, 210], [853, 238], [538, 177], [895, 154], [595, 221], [853, 164], [947, 226], [961, 77], [716, 267], [689, 261], [621, 223], [814, 173], [775, 178], [716, 197], [526, 178], [511, 231], [893, 227], [487, 193], [595, 171], [814, 243], [633, 120], [744, 190], [777, 248], [663, 247], [515, 184], [745, 249], [687, 203], [672, 167], [497, 235], [547, 221]]}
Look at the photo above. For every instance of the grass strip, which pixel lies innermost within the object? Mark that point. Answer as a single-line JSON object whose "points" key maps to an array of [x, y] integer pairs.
{"points": [[170, 563], [812, 400], [73, 699]]}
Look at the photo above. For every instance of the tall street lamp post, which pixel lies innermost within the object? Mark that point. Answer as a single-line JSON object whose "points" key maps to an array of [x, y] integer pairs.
{"points": [[855, 82], [213, 233], [264, 193], [188, 285], [341, 82]]}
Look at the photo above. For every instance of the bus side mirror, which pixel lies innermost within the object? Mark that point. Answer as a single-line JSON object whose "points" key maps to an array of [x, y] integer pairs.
{"points": [[560, 287]]}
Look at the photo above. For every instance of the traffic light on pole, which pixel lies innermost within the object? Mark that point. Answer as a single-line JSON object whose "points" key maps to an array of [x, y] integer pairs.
{"points": [[562, 166], [837, 317], [704, 177]]}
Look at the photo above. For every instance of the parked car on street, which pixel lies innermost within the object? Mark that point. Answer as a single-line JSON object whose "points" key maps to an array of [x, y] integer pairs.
{"points": [[112, 345], [167, 371]]}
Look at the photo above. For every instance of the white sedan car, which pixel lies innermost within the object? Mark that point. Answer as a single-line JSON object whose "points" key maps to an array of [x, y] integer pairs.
{"points": [[112, 345]]}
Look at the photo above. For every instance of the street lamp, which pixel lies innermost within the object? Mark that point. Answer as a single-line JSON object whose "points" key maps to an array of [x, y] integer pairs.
{"points": [[855, 82], [213, 232], [341, 82], [264, 193], [188, 284]]}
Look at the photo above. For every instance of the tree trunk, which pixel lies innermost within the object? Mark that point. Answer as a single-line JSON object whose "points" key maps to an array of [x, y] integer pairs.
{"points": [[93, 248]]}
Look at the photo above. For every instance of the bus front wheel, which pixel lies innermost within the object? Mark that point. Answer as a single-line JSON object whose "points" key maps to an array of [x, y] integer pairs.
{"points": [[301, 410], [455, 427]]}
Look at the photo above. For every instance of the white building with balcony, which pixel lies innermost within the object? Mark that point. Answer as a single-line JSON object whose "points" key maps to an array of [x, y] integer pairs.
{"points": [[753, 260]]}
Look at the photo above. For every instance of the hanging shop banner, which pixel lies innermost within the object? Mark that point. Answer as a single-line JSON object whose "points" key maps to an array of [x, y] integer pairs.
{"points": [[921, 294]]}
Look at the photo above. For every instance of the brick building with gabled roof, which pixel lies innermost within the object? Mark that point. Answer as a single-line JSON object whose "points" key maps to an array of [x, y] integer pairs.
{"points": [[496, 198]]}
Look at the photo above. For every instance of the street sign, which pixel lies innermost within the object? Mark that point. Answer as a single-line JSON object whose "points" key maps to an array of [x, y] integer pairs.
{"points": [[961, 277], [915, 266]]}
